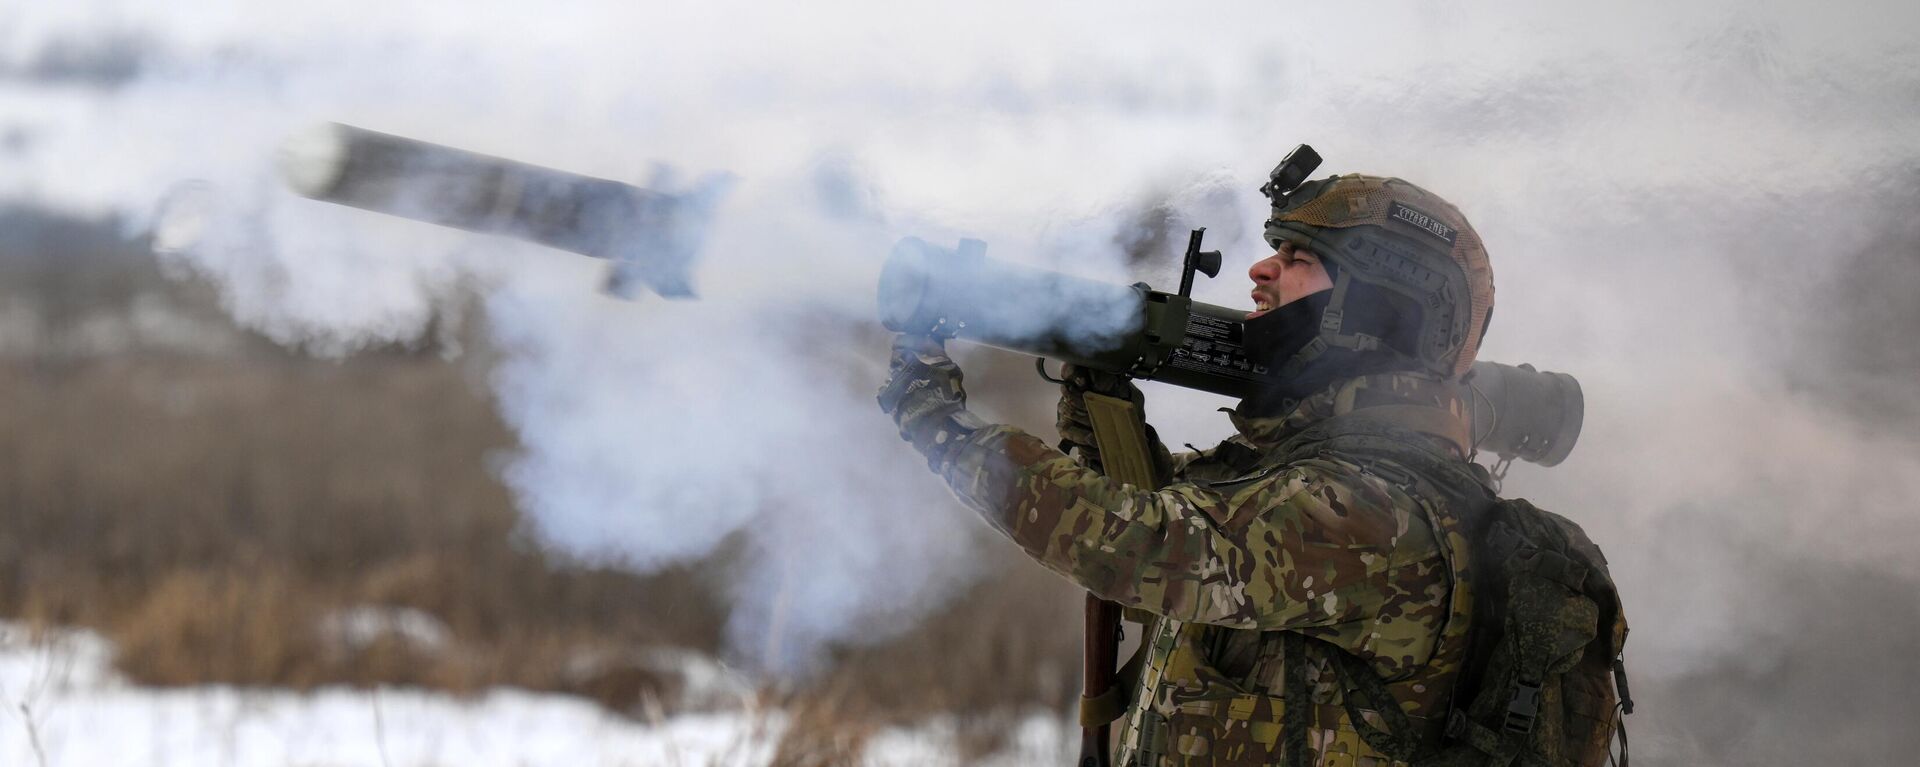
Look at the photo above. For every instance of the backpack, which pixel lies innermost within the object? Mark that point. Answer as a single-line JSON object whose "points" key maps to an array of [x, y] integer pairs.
{"points": [[1544, 652], [1544, 658]]}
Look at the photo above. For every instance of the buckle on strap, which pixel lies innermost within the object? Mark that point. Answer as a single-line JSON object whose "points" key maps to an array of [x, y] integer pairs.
{"points": [[1523, 707]]}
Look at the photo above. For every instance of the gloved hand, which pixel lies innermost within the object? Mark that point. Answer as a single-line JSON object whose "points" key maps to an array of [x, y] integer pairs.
{"points": [[1076, 428], [925, 398]]}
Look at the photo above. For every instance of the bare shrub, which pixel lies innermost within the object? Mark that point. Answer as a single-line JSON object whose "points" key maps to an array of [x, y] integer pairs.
{"points": [[219, 626], [827, 726], [210, 515]]}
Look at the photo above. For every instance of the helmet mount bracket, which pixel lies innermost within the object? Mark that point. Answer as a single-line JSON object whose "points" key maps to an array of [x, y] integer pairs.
{"points": [[1292, 171]]}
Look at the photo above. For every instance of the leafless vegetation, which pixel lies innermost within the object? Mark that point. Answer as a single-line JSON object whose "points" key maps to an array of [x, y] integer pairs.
{"points": [[207, 516]]}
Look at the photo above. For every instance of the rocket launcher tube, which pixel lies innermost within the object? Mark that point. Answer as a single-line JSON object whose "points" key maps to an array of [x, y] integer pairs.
{"points": [[1518, 412], [650, 236], [1131, 330], [964, 294]]}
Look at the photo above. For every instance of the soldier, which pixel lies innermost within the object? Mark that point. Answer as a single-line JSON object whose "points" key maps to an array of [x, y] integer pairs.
{"points": [[1307, 606]]}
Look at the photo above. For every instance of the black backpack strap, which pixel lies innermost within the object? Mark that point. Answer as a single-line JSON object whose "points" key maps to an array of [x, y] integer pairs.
{"points": [[1624, 708], [1293, 645], [1401, 740]]}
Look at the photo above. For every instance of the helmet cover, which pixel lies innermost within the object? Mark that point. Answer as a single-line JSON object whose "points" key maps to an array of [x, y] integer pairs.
{"points": [[1394, 236]]}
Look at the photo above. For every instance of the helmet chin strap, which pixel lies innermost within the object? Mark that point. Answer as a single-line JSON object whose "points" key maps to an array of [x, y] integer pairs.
{"points": [[1333, 320], [1312, 336], [1332, 332]]}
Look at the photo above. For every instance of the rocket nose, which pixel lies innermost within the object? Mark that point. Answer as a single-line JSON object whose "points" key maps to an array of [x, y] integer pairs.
{"points": [[311, 159]]}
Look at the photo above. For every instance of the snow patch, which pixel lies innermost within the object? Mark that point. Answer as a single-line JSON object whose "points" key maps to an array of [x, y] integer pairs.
{"points": [[62, 698]]}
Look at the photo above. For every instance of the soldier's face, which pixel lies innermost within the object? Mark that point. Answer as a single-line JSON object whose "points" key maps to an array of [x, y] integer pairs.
{"points": [[1290, 274]]}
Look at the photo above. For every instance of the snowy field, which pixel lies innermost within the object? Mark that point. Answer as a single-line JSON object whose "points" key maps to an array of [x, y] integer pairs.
{"points": [[66, 708]]}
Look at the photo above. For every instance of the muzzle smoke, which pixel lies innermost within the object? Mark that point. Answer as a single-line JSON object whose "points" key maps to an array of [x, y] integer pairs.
{"points": [[1698, 209]]}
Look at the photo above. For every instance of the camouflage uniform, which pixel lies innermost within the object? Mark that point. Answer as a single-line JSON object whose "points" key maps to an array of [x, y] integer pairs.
{"points": [[1287, 581], [1244, 559]]}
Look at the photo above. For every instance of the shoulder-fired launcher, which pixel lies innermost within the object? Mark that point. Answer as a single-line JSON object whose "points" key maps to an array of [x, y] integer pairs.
{"points": [[1518, 412]]}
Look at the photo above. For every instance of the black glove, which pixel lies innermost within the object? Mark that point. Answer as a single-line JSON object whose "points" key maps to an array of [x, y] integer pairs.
{"points": [[1076, 428], [925, 398]]}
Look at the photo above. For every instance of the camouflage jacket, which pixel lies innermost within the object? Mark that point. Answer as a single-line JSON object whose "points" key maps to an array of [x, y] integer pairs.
{"points": [[1240, 552]]}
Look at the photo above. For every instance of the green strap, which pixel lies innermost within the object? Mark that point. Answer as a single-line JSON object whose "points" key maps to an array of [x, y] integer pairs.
{"points": [[1112, 704]]}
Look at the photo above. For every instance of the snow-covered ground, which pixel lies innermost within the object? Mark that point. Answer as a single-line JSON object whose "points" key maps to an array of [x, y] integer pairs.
{"points": [[66, 708]]}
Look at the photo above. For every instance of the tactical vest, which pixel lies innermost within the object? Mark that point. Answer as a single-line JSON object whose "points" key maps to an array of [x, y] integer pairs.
{"points": [[1524, 669]]}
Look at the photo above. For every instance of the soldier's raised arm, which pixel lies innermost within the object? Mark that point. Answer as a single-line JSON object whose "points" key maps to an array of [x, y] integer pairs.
{"points": [[1298, 546]]}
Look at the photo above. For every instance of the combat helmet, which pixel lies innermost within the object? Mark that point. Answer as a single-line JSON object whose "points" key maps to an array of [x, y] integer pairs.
{"points": [[1391, 244]]}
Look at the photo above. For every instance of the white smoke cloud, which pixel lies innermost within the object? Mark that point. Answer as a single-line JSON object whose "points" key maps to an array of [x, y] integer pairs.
{"points": [[1640, 171]]}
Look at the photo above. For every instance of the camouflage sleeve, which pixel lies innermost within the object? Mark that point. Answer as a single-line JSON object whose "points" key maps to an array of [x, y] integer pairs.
{"points": [[1306, 545]]}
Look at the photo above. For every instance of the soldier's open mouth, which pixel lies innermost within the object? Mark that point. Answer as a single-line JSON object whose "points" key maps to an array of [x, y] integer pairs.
{"points": [[1260, 306]]}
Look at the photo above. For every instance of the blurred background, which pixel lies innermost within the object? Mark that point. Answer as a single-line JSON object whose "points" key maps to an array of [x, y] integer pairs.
{"points": [[226, 511], [284, 483]]}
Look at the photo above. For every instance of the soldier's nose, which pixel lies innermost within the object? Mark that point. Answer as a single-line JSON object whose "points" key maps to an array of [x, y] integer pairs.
{"points": [[1265, 270]]}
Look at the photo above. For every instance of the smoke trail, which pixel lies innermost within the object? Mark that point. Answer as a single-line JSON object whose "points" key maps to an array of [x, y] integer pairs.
{"points": [[1708, 224]]}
